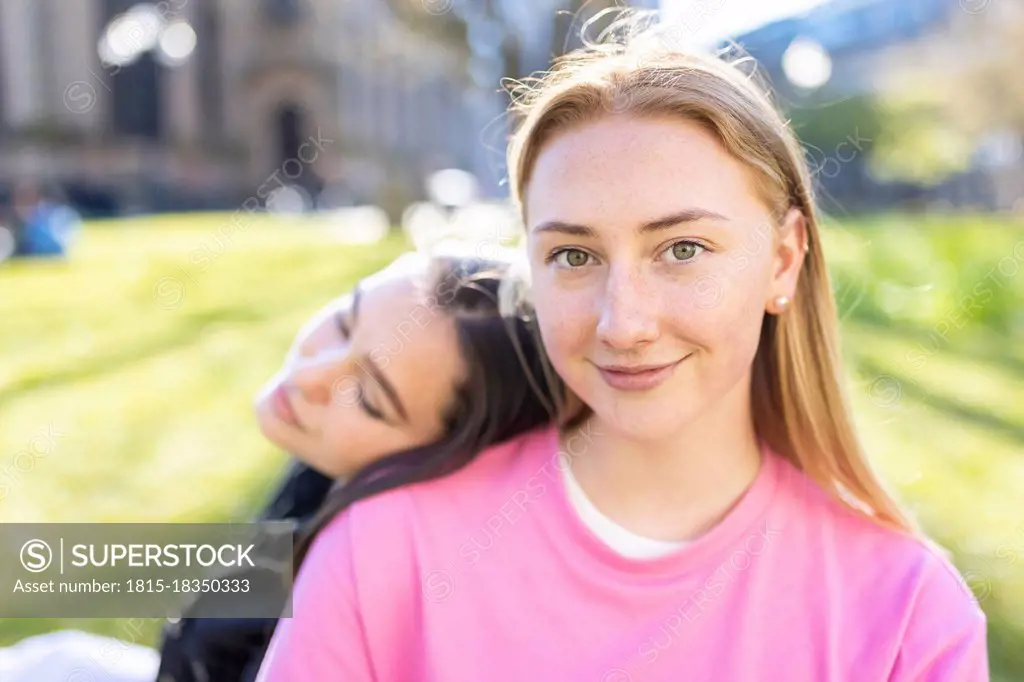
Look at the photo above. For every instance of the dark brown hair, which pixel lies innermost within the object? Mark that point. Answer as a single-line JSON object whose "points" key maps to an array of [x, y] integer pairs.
{"points": [[509, 389]]}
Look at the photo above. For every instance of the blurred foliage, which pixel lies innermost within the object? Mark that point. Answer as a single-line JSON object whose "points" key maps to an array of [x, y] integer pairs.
{"points": [[985, 91], [825, 124], [927, 272], [918, 142], [153, 400], [935, 116], [906, 134], [432, 19]]}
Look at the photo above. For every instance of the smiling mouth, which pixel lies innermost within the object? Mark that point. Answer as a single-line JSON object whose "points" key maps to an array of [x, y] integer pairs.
{"points": [[637, 378]]}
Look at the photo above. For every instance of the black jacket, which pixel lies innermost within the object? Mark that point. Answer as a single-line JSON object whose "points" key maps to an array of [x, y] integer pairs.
{"points": [[232, 649]]}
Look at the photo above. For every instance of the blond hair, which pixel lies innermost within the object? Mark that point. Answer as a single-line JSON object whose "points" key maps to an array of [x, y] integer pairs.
{"points": [[798, 394]]}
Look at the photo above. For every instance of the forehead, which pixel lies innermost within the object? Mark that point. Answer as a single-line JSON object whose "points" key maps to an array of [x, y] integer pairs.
{"points": [[414, 344], [410, 267], [624, 170], [322, 328]]}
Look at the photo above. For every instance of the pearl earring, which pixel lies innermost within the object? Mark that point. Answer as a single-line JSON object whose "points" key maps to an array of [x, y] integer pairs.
{"points": [[781, 303]]}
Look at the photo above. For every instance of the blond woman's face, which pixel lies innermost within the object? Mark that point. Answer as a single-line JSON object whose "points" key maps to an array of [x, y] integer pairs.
{"points": [[650, 248]]}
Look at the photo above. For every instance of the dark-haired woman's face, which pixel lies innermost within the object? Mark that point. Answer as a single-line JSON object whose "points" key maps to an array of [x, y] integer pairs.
{"points": [[371, 374]]}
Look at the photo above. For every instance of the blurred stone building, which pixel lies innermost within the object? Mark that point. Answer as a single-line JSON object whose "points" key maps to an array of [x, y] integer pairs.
{"points": [[336, 96]]}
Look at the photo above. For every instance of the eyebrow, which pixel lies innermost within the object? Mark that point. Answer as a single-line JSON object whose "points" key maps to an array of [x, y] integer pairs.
{"points": [[357, 296], [685, 216], [377, 375]]}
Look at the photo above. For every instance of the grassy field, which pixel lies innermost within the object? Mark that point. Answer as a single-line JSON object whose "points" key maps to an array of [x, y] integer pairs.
{"points": [[135, 363]]}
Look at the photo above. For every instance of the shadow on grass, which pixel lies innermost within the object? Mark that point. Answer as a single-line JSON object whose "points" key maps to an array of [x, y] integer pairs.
{"points": [[1001, 355], [951, 407], [1005, 649], [187, 332]]}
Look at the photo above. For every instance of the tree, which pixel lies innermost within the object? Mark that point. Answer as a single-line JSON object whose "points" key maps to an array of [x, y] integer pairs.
{"points": [[936, 111], [988, 92], [432, 19]]}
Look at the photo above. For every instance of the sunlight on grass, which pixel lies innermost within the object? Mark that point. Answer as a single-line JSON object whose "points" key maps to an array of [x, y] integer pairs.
{"points": [[136, 362]]}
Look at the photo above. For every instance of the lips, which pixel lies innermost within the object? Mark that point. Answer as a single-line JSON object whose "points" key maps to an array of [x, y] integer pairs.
{"points": [[637, 377], [282, 407]]}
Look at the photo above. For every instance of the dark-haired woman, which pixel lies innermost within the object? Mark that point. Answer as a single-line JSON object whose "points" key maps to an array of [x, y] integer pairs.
{"points": [[400, 381]]}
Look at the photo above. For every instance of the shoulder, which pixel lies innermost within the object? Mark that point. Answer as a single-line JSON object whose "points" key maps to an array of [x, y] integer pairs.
{"points": [[493, 469], [388, 526], [388, 552], [898, 577]]}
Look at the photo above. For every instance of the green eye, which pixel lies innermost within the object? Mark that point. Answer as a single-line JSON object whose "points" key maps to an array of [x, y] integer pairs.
{"points": [[685, 250], [574, 258]]}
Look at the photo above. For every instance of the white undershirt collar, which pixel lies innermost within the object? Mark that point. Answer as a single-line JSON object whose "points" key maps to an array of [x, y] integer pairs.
{"points": [[622, 541]]}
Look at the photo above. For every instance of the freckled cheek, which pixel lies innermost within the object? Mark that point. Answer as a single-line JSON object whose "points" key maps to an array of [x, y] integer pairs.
{"points": [[698, 325], [712, 312], [566, 324]]}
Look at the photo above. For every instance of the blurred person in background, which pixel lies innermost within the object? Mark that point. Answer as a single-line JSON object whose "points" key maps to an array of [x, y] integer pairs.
{"points": [[389, 385], [39, 222]]}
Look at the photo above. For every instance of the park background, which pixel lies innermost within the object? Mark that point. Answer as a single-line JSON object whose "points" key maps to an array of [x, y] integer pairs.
{"points": [[239, 162]]}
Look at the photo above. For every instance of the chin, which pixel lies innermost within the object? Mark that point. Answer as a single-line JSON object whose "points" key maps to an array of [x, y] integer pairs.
{"points": [[643, 419], [323, 465], [644, 426], [271, 427]]}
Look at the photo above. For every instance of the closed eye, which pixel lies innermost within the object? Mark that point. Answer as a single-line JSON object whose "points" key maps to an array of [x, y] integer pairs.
{"points": [[341, 322], [369, 409]]}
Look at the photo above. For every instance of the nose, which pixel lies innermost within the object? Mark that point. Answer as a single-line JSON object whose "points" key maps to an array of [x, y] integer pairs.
{"points": [[317, 377], [628, 315]]}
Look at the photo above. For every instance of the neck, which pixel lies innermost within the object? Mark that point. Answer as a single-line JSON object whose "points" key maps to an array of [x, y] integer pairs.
{"points": [[673, 488]]}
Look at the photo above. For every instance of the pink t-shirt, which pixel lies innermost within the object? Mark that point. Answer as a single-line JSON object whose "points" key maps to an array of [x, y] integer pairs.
{"points": [[490, 575]]}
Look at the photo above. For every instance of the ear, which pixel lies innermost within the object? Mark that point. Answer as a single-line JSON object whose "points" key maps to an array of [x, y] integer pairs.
{"points": [[790, 250]]}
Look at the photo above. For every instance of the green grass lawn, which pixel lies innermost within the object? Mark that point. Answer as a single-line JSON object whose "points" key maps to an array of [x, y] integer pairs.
{"points": [[137, 360]]}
